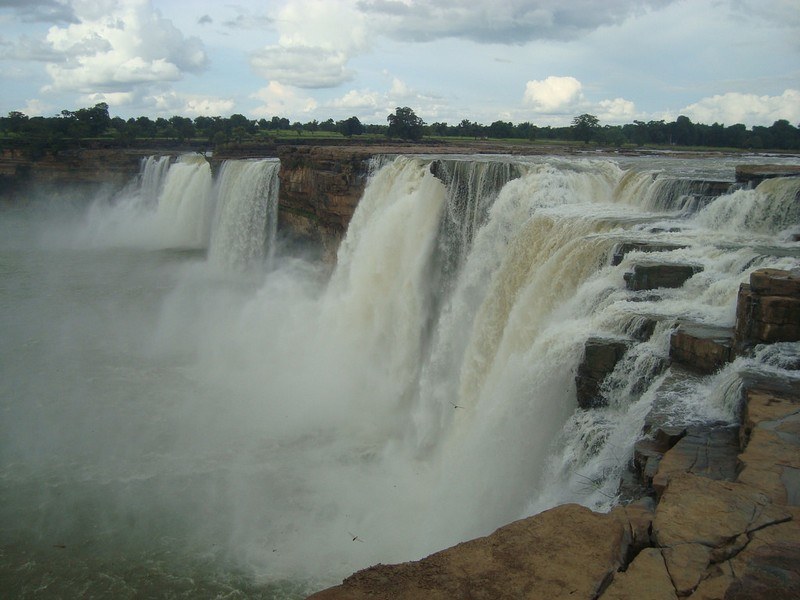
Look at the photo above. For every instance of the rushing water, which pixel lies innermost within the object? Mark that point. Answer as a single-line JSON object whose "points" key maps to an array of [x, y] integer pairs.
{"points": [[188, 413]]}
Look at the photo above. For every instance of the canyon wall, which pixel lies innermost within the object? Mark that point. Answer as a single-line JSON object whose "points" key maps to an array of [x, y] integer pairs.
{"points": [[319, 190]]}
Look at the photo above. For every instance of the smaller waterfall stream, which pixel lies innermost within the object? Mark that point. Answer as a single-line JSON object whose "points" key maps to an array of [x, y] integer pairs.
{"points": [[246, 213]]}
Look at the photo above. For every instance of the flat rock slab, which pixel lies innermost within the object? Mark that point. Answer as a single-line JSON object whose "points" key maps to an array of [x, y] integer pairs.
{"points": [[713, 513], [654, 276], [709, 453], [755, 174], [771, 430], [567, 552]]}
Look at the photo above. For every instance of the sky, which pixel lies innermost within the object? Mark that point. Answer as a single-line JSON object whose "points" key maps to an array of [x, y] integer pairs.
{"points": [[542, 61]]}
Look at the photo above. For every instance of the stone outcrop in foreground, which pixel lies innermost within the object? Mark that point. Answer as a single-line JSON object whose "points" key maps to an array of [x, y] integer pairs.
{"points": [[705, 539], [723, 522]]}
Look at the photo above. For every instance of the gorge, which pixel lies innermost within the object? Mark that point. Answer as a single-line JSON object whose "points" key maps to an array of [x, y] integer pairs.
{"points": [[254, 377]]}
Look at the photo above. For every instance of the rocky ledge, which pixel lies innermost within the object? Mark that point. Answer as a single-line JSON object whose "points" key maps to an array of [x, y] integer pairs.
{"points": [[722, 520]]}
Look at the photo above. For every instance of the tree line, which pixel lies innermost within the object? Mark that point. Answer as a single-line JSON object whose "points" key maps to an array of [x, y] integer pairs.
{"points": [[38, 135]]}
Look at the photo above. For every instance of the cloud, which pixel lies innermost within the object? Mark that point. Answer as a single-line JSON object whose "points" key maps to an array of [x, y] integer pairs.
{"points": [[750, 109], [46, 11], [553, 94], [489, 21], [205, 20], [616, 111], [358, 100], [302, 66], [120, 45], [317, 39], [163, 102], [36, 108], [281, 100], [246, 19], [28, 48], [189, 105]]}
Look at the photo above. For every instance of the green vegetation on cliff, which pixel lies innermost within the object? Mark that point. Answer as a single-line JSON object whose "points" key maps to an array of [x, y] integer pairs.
{"points": [[37, 136]]}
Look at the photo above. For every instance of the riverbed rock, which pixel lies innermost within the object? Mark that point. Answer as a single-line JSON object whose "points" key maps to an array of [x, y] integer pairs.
{"points": [[702, 348], [709, 452], [695, 509], [567, 552], [768, 309], [646, 577], [771, 430], [600, 356], [755, 174], [654, 276]]}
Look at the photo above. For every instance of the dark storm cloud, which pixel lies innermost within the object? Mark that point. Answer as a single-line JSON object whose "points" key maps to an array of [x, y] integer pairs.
{"points": [[46, 11], [489, 21]]}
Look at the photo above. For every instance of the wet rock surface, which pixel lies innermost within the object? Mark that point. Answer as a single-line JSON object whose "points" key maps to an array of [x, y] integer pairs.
{"points": [[723, 521], [702, 348], [768, 309], [651, 277], [600, 357]]}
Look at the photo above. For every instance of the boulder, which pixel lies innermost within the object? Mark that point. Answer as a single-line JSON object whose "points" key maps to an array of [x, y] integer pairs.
{"points": [[771, 431], [647, 452], [708, 452], [768, 309], [755, 174], [600, 356], [567, 552], [772, 572], [646, 577], [695, 509], [654, 276], [702, 348], [686, 565]]}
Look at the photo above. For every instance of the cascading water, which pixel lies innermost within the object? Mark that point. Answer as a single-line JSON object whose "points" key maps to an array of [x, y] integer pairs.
{"points": [[180, 427], [247, 213]]}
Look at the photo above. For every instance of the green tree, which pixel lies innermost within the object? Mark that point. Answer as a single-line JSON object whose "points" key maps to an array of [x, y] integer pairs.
{"points": [[350, 127], [585, 127], [404, 124]]}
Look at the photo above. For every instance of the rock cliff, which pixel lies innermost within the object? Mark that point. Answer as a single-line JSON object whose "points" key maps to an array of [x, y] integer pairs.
{"points": [[319, 190]]}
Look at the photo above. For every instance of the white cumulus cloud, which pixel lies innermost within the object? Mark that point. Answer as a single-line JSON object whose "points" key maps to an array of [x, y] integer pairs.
{"points": [[750, 109], [553, 94], [616, 111], [281, 100], [118, 45], [302, 66], [317, 39]]}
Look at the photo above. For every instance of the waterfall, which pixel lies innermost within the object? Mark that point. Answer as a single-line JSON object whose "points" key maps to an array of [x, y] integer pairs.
{"points": [[248, 416], [246, 213], [183, 214], [153, 172]]}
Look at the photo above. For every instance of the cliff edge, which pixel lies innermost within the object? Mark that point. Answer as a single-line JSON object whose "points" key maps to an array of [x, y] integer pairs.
{"points": [[710, 532]]}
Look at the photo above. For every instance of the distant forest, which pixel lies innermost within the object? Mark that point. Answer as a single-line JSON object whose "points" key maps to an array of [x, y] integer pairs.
{"points": [[37, 136]]}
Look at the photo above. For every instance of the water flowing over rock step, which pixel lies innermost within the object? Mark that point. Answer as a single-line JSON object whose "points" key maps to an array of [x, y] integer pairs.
{"points": [[722, 518]]}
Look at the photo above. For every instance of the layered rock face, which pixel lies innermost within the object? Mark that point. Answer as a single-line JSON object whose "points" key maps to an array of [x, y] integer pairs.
{"points": [[319, 190], [83, 168]]}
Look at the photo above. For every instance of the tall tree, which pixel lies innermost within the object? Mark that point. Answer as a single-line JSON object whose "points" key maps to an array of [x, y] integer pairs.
{"points": [[585, 127], [404, 124]]}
